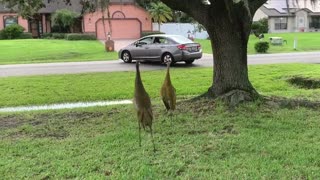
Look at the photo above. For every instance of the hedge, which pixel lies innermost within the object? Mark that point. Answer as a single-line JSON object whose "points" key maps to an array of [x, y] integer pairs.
{"points": [[25, 36], [78, 36], [58, 35]]}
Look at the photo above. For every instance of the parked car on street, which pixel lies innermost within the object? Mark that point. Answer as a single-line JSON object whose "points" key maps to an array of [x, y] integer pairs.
{"points": [[163, 48]]}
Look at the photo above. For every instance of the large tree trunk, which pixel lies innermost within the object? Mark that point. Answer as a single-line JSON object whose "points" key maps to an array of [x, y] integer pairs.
{"points": [[228, 23], [229, 44]]}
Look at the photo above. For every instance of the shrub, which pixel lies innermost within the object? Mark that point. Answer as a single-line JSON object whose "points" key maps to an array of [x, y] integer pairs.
{"points": [[58, 35], [64, 19], [261, 47], [46, 35], [26, 36], [260, 26], [77, 36], [12, 32], [147, 33]]}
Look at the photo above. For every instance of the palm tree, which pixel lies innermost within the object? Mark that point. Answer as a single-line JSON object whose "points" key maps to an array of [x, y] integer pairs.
{"points": [[160, 12]]}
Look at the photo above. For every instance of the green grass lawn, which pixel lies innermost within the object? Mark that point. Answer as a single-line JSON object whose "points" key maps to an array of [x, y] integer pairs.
{"points": [[44, 50], [268, 80], [306, 42], [250, 142], [203, 140]]}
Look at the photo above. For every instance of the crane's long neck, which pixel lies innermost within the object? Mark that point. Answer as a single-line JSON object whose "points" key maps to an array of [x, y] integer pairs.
{"points": [[138, 82], [168, 73]]}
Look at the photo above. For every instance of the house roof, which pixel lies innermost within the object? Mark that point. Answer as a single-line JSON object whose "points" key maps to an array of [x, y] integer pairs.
{"points": [[272, 12], [53, 5], [280, 7], [56, 5]]}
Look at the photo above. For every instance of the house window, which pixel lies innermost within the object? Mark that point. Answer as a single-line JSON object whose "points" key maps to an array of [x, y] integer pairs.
{"points": [[9, 20], [315, 22], [280, 23]]}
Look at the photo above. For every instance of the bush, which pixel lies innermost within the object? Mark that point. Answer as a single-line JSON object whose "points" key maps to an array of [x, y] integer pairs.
{"points": [[58, 35], [12, 32], [64, 19], [147, 33], [26, 36], [46, 35], [76, 36], [261, 47], [260, 26]]}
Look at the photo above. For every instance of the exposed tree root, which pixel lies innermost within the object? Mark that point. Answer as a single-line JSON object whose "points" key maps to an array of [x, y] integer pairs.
{"points": [[236, 97]]}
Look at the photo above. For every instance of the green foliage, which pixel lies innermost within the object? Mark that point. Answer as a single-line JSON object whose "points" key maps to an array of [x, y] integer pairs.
{"points": [[26, 9], [25, 36], [64, 19], [147, 33], [75, 36], [160, 12], [58, 35], [260, 26], [261, 46], [12, 32], [46, 35]]}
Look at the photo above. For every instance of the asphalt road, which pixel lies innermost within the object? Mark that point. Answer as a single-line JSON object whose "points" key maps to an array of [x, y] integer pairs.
{"points": [[117, 65]]}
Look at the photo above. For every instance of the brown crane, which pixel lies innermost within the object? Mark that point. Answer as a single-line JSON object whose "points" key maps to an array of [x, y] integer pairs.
{"points": [[168, 92], [142, 103]]}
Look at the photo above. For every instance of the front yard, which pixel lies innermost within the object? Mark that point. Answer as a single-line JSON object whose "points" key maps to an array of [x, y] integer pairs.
{"points": [[33, 90], [45, 50], [203, 140], [306, 42]]}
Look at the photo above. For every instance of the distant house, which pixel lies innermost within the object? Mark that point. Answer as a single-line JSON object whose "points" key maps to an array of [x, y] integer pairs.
{"points": [[126, 18], [301, 17]]}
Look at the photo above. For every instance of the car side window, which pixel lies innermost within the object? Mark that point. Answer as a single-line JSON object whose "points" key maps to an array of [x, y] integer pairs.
{"points": [[161, 40], [147, 40]]}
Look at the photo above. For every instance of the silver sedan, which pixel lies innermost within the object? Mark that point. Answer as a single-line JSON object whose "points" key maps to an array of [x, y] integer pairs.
{"points": [[163, 48]]}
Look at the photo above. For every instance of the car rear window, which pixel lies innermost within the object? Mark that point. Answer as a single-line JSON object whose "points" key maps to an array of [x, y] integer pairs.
{"points": [[181, 39]]}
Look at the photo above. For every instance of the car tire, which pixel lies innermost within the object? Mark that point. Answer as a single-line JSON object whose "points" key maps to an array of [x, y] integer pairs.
{"points": [[126, 57], [167, 57], [189, 61]]}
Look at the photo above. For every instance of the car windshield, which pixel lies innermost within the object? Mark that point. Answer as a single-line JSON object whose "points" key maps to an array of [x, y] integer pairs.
{"points": [[181, 39]]}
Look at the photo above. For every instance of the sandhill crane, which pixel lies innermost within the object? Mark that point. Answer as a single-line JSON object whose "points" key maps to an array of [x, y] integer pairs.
{"points": [[142, 103], [168, 92]]}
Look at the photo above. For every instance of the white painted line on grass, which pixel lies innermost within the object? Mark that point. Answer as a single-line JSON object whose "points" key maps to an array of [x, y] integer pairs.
{"points": [[64, 106]]}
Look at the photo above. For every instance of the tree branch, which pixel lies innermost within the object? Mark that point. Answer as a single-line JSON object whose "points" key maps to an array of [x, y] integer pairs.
{"points": [[194, 8], [255, 5]]}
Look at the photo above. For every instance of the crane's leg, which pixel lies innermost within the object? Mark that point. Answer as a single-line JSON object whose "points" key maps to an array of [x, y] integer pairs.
{"points": [[154, 147], [139, 133]]}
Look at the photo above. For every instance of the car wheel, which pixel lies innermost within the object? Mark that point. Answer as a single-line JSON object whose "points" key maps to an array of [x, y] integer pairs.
{"points": [[126, 57], [189, 61], [167, 57]]}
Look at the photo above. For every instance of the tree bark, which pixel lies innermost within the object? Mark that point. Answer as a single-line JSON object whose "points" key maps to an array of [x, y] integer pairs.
{"points": [[229, 44], [228, 24]]}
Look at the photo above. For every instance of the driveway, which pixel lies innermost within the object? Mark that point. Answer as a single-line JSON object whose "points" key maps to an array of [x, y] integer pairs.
{"points": [[118, 44], [117, 65]]}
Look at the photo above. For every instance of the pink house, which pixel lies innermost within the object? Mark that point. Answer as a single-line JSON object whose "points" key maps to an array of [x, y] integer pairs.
{"points": [[127, 20]]}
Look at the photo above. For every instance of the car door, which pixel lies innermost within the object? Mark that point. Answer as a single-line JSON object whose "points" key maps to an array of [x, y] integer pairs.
{"points": [[156, 48], [140, 49]]}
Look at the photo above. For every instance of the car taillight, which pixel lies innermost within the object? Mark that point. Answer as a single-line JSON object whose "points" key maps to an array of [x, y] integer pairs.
{"points": [[199, 46], [182, 47]]}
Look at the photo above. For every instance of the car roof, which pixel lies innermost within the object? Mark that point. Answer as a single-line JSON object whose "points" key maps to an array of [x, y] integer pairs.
{"points": [[163, 35]]}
